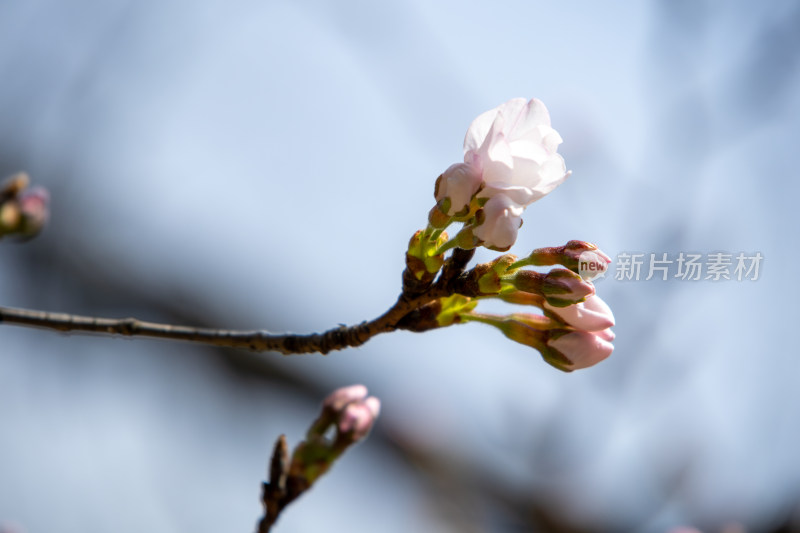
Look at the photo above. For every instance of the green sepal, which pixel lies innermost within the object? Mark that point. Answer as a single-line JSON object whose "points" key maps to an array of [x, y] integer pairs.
{"points": [[311, 459], [452, 308], [491, 281], [421, 257]]}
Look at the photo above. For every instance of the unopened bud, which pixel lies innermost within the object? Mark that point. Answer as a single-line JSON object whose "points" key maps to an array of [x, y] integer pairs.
{"points": [[489, 275], [514, 296], [497, 223], [579, 349], [527, 329], [452, 308], [560, 346], [33, 205], [350, 413], [23, 211], [591, 315], [358, 417], [606, 334], [10, 217], [573, 251], [456, 187], [421, 260], [559, 287], [581, 257], [332, 408], [563, 287], [338, 399]]}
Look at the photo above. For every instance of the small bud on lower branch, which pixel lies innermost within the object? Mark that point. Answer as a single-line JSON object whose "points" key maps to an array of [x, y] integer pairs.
{"points": [[352, 415], [357, 418], [338, 399]]}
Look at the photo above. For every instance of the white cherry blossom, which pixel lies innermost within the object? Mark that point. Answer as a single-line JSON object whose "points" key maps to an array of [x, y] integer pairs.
{"points": [[513, 147]]}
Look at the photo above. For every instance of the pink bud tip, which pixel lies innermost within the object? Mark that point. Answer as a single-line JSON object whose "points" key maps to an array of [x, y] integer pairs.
{"points": [[591, 315], [358, 417], [459, 182], [563, 287], [338, 399], [582, 348], [33, 205]]}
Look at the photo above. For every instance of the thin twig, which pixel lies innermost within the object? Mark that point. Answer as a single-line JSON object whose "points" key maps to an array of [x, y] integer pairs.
{"points": [[255, 340]]}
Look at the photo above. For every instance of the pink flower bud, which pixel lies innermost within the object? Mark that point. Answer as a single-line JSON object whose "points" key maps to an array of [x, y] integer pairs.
{"points": [[33, 205], [23, 211], [560, 287], [591, 315], [501, 219], [581, 257], [581, 349], [357, 418], [574, 249], [458, 183], [338, 399], [563, 287], [605, 334], [563, 348]]}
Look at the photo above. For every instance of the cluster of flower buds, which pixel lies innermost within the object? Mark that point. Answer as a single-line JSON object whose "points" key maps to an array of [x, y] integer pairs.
{"points": [[574, 329], [23, 210], [510, 161]]}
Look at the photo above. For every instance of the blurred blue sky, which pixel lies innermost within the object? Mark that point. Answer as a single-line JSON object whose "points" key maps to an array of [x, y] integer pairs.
{"points": [[246, 156]]}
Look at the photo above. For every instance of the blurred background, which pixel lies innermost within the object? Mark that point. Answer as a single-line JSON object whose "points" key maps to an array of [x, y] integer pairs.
{"points": [[257, 164]]}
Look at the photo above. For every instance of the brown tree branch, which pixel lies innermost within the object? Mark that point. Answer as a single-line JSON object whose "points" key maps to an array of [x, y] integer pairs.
{"points": [[256, 340]]}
